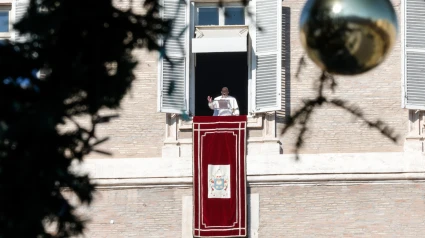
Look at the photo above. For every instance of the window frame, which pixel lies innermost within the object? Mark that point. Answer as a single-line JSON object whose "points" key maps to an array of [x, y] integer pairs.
{"points": [[192, 56], [221, 15], [253, 55], [7, 7]]}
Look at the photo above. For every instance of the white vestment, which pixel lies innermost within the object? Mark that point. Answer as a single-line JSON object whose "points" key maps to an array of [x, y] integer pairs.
{"points": [[232, 108]]}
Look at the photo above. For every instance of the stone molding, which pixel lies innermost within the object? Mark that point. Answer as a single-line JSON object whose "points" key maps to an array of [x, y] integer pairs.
{"points": [[262, 170]]}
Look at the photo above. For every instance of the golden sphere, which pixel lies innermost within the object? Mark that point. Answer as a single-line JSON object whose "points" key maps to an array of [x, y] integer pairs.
{"points": [[348, 37]]}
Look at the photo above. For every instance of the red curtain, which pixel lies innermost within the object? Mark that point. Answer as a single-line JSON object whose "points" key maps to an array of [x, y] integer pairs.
{"points": [[219, 181]]}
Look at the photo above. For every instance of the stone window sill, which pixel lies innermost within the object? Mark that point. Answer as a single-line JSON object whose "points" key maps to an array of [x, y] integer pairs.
{"points": [[253, 122]]}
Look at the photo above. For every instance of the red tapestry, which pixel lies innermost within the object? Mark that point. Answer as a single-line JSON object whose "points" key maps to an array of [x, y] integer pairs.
{"points": [[219, 181]]}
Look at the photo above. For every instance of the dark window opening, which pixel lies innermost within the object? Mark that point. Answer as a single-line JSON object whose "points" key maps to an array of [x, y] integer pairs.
{"points": [[216, 70]]}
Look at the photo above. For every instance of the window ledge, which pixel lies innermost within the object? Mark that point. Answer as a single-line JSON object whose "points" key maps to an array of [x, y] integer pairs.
{"points": [[228, 31], [6, 3], [5, 35], [215, 1], [221, 27], [186, 125], [262, 140], [415, 137], [253, 122]]}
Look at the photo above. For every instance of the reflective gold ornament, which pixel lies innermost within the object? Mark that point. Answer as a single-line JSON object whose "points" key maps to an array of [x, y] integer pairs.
{"points": [[348, 36]]}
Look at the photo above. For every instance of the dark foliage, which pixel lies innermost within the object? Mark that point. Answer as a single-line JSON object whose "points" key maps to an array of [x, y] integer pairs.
{"points": [[84, 48]]}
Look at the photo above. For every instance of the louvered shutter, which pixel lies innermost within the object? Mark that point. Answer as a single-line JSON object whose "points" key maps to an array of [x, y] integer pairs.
{"points": [[267, 55], [20, 10], [414, 89], [173, 74]]}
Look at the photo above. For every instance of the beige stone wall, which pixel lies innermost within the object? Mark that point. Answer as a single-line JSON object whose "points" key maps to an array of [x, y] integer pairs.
{"points": [[143, 212], [332, 130], [139, 131], [363, 210], [358, 210]]}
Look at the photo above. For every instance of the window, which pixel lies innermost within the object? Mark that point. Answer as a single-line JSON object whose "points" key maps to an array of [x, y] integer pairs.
{"points": [[194, 74], [4, 21], [211, 15], [207, 16], [5, 24], [234, 16], [213, 71]]}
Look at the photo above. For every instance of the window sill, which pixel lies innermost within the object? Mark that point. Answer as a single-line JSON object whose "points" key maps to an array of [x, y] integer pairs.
{"points": [[215, 1], [5, 35], [415, 137], [253, 122], [227, 31]]}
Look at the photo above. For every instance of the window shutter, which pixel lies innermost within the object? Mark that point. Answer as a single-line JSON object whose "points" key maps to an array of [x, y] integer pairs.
{"points": [[173, 74], [267, 45], [414, 88], [20, 10]]}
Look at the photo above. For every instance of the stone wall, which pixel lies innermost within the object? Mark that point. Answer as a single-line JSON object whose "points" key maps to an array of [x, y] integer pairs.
{"points": [[378, 209], [140, 129]]}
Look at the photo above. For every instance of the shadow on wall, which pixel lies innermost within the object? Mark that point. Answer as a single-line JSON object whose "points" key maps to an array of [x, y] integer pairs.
{"points": [[286, 67]]}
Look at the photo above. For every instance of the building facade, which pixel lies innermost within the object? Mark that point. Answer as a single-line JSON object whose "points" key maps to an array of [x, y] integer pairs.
{"points": [[349, 179]]}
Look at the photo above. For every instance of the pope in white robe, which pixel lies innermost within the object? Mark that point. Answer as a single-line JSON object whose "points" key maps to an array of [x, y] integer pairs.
{"points": [[224, 105]]}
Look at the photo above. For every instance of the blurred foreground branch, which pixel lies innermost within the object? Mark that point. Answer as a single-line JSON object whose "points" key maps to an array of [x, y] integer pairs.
{"points": [[303, 115]]}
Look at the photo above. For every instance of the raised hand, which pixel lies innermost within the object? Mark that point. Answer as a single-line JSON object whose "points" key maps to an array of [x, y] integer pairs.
{"points": [[209, 99]]}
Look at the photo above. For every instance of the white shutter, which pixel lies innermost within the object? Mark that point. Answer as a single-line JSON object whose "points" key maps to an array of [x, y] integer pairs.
{"points": [[174, 72], [414, 88], [21, 7], [267, 43]]}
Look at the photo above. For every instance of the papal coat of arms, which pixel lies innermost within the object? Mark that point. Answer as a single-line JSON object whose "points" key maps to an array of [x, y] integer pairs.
{"points": [[218, 181]]}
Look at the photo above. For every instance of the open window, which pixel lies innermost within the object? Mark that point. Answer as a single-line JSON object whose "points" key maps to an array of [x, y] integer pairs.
{"points": [[216, 70], [219, 52], [222, 47]]}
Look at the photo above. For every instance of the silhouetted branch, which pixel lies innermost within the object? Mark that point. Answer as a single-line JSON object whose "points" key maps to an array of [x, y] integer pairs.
{"points": [[304, 127], [379, 125], [301, 65], [303, 115]]}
